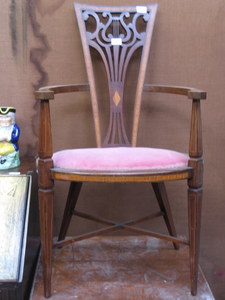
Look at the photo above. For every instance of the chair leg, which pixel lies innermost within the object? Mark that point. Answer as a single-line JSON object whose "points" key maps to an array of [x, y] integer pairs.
{"points": [[194, 218], [161, 195], [46, 232], [72, 198]]}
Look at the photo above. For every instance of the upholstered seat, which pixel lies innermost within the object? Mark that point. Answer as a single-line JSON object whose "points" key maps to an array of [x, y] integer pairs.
{"points": [[119, 159]]}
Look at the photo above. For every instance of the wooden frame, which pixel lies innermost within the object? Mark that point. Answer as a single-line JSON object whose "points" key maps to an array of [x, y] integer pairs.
{"points": [[48, 174]]}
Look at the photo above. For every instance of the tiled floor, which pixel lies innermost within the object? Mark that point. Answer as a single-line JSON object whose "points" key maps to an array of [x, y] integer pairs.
{"points": [[121, 268]]}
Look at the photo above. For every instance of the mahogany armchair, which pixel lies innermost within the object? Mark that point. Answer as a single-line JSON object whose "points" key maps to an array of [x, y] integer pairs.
{"points": [[116, 34]]}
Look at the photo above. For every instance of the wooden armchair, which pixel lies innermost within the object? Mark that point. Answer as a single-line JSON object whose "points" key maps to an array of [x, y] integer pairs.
{"points": [[116, 34]]}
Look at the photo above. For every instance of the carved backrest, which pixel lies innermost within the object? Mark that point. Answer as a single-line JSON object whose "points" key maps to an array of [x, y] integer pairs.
{"points": [[115, 34]]}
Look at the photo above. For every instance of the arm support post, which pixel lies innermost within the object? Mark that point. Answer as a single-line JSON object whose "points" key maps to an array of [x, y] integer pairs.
{"points": [[45, 136], [195, 145]]}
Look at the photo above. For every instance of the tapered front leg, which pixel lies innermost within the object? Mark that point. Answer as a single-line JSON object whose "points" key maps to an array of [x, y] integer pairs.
{"points": [[46, 195], [194, 215], [46, 231]]}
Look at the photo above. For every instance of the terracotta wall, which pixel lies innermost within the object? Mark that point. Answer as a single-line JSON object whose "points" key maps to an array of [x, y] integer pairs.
{"points": [[40, 45]]}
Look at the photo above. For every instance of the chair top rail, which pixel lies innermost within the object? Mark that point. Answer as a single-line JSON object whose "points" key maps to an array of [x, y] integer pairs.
{"points": [[114, 9]]}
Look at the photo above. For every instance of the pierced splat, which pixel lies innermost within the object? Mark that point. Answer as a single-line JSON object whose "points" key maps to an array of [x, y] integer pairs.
{"points": [[116, 35]]}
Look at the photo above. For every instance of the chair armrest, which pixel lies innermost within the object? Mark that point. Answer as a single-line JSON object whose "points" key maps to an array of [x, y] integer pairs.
{"points": [[195, 141], [45, 135], [48, 92], [191, 93]]}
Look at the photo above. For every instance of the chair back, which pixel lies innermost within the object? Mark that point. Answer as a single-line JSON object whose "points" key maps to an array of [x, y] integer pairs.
{"points": [[116, 33]]}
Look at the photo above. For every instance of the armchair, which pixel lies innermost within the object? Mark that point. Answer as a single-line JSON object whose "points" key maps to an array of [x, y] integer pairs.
{"points": [[116, 33]]}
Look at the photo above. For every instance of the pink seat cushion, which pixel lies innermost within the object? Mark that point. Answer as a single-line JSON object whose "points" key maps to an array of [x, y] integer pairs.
{"points": [[119, 159]]}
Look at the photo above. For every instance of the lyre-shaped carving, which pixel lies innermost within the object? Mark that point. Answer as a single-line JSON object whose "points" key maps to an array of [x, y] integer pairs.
{"points": [[116, 36]]}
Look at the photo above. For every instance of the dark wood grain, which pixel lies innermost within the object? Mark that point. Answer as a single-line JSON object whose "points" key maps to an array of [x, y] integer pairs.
{"points": [[195, 191], [195, 145], [45, 135], [194, 216], [46, 232]]}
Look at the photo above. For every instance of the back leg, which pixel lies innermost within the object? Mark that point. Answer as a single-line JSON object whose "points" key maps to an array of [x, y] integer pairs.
{"points": [[161, 195], [72, 198]]}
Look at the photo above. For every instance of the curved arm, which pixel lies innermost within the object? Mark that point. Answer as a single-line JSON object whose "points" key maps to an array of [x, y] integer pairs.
{"points": [[45, 94], [195, 141], [191, 93], [48, 92]]}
